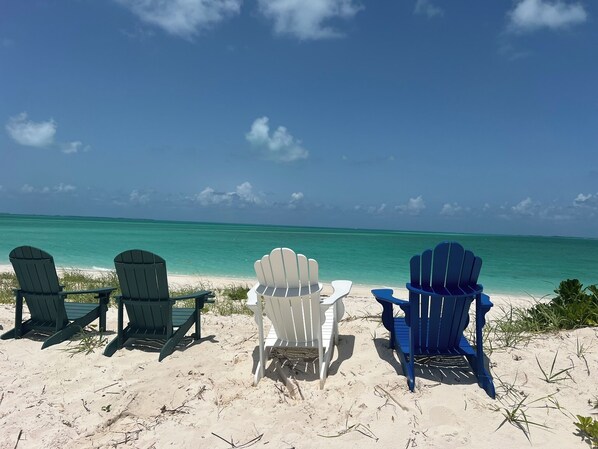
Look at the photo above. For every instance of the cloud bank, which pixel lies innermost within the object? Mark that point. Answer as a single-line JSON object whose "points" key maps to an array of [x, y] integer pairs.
{"points": [[242, 195]]}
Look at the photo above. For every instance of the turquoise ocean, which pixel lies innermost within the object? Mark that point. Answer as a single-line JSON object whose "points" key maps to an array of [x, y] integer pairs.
{"points": [[517, 265]]}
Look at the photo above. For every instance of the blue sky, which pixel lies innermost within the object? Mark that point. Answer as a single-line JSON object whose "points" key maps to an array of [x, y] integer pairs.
{"points": [[422, 115]]}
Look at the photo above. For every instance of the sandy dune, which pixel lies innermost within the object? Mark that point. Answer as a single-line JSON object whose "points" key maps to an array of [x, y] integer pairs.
{"points": [[202, 395]]}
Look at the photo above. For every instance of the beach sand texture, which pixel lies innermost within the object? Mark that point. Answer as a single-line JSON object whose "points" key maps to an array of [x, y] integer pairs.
{"points": [[202, 395]]}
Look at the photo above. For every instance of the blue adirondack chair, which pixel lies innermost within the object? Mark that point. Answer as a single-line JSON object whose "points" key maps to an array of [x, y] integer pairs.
{"points": [[46, 300], [150, 308], [443, 286]]}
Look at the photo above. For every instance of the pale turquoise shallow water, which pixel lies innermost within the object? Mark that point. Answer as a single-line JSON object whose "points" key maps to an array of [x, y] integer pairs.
{"points": [[511, 264]]}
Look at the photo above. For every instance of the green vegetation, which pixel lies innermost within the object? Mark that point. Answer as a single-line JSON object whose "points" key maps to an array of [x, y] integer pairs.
{"points": [[229, 300], [588, 429], [86, 342], [553, 376], [8, 282], [572, 307]]}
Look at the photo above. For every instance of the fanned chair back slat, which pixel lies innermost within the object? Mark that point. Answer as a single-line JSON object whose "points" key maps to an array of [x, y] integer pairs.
{"points": [[437, 324], [38, 281], [289, 285], [143, 280]]}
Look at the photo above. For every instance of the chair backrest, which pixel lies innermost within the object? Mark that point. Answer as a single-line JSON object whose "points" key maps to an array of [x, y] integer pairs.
{"points": [[143, 282], [38, 281], [438, 323], [289, 284]]}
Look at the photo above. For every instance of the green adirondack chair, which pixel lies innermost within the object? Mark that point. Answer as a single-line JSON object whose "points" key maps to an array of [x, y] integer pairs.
{"points": [[150, 309], [46, 300]]}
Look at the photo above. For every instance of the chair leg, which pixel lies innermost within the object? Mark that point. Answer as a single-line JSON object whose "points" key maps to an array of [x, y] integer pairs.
{"points": [[176, 337], [197, 333], [121, 334], [71, 329], [20, 328]]}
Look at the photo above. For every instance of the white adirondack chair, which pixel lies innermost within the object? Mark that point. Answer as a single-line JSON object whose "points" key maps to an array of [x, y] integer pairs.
{"points": [[289, 290]]}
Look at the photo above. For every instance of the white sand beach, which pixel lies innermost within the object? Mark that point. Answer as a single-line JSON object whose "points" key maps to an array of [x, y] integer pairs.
{"points": [[202, 395]]}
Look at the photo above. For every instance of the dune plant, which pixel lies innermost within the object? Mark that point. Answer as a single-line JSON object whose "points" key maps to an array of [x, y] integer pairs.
{"points": [[228, 301], [8, 282], [588, 429], [86, 342], [551, 376], [573, 307]]}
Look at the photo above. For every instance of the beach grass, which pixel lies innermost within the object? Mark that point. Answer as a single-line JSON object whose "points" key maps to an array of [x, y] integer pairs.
{"points": [[8, 282], [230, 299], [573, 306]]}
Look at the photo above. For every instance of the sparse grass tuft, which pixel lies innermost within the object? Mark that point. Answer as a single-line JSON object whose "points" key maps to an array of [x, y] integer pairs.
{"points": [[235, 292], [74, 279], [229, 300], [552, 376], [86, 342], [8, 282]]}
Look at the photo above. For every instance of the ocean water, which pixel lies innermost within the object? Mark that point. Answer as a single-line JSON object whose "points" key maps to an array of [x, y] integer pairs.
{"points": [[517, 265]]}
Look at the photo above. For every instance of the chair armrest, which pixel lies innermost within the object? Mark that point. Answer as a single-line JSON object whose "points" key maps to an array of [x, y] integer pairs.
{"points": [[99, 291], [485, 302], [341, 289], [203, 294], [252, 296], [385, 294], [433, 294]]}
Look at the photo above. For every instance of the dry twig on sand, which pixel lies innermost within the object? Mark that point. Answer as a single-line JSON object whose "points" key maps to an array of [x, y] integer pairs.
{"points": [[244, 445]]}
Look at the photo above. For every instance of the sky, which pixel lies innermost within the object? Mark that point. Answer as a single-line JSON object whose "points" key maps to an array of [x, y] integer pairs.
{"points": [[421, 115]]}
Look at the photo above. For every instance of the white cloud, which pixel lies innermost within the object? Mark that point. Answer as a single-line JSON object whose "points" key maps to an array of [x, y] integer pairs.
{"points": [[305, 19], [183, 18], [377, 209], [588, 200], [281, 146], [29, 133], [298, 196], [64, 188], [60, 188], [139, 197], [209, 196], [40, 134], [296, 200], [427, 8], [450, 209], [74, 147], [530, 15], [413, 207], [242, 195], [524, 207]]}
